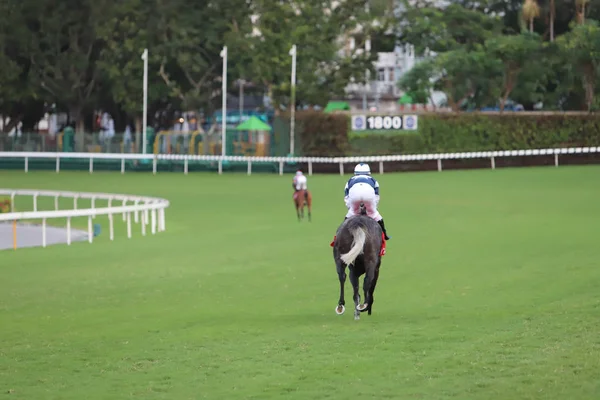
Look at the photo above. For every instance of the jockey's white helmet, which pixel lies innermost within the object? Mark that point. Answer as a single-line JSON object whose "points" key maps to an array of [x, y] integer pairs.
{"points": [[362, 169], [298, 172]]}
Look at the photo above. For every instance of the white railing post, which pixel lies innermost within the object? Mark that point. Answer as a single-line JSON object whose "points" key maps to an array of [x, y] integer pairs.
{"points": [[154, 165], [144, 216], [220, 166], [75, 202], [91, 165], [111, 227], [56, 203], [439, 164], [493, 161], [556, 159], [280, 168], [249, 167], [43, 232], [90, 230], [309, 168], [122, 166], [124, 204], [94, 205], [128, 225], [26, 164], [57, 164], [341, 168], [35, 197], [12, 202], [153, 225], [136, 215], [185, 166], [69, 231], [381, 167]]}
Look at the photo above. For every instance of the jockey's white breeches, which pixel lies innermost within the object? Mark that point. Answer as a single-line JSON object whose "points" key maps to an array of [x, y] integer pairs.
{"points": [[362, 193]]}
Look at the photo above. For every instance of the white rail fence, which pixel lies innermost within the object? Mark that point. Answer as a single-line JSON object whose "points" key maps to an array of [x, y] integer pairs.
{"points": [[186, 159], [147, 210]]}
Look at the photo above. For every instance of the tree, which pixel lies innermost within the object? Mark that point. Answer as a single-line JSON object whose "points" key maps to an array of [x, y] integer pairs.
{"points": [[189, 45], [322, 70], [581, 47], [515, 52], [19, 99], [64, 52], [446, 29], [125, 34], [580, 6], [531, 10], [419, 81], [466, 76], [552, 18]]}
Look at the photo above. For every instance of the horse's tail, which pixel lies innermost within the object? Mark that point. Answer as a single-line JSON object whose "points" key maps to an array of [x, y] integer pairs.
{"points": [[360, 237]]}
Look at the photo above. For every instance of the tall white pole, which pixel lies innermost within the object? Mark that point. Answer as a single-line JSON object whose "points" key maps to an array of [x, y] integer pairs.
{"points": [[367, 75], [293, 101], [145, 111], [224, 96]]}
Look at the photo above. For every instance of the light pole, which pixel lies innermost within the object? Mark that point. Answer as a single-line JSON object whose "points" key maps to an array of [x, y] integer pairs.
{"points": [[145, 110], [224, 96], [293, 105], [367, 75]]}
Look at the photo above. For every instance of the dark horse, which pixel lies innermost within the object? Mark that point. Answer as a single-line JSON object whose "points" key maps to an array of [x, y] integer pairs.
{"points": [[302, 198], [358, 245]]}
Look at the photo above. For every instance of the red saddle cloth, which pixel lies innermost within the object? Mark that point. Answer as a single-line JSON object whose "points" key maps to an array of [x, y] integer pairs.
{"points": [[381, 251]]}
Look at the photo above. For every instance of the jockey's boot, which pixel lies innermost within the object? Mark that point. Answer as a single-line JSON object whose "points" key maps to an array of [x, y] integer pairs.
{"points": [[382, 224]]}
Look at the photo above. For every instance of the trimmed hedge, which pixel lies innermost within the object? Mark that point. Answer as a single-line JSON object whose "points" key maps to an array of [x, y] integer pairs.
{"points": [[325, 135], [476, 132], [317, 134]]}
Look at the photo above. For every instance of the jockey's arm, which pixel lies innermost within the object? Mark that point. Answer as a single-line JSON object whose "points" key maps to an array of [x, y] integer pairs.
{"points": [[346, 190], [376, 187]]}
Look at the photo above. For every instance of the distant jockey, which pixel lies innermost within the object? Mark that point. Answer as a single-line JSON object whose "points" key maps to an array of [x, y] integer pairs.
{"points": [[363, 188], [300, 183]]}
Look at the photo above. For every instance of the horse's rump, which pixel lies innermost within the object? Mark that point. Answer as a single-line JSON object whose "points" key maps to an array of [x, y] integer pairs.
{"points": [[361, 229]]}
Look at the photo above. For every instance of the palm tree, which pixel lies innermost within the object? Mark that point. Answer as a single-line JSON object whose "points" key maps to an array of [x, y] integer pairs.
{"points": [[580, 10], [552, 17], [531, 10]]}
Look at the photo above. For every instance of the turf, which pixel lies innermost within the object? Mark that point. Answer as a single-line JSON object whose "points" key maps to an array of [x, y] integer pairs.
{"points": [[489, 290]]}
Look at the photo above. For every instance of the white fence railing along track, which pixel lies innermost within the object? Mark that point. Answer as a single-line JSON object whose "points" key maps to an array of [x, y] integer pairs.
{"points": [[281, 161], [147, 210]]}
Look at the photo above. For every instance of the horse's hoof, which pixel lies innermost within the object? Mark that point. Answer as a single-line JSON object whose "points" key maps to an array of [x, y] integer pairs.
{"points": [[362, 307], [339, 310], [357, 317]]}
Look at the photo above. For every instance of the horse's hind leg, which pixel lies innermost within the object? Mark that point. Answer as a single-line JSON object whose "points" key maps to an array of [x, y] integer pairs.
{"points": [[372, 290], [356, 296], [369, 287], [341, 270]]}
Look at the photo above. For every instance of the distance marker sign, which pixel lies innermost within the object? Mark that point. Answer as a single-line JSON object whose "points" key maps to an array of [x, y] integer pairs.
{"points": [[384, 122]]}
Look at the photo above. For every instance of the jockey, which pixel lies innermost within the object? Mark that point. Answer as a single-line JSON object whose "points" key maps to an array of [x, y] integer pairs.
{"points": [[300, 183], [363, 188]]}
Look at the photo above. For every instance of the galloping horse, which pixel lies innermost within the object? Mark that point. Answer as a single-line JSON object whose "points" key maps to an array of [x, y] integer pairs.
{"points": [[302, 198], [359, 245]]}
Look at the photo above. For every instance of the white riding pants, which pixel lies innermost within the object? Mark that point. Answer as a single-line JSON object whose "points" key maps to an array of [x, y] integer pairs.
{"points": [[365, 194]]}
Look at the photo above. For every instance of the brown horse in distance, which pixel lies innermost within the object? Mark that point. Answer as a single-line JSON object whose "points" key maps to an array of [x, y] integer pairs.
{"points": [[302, 198]]}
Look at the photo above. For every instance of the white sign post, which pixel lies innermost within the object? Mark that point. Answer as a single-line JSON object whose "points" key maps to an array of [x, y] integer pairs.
{"points": [[145, 110], [224, 96], [293, 101]]}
